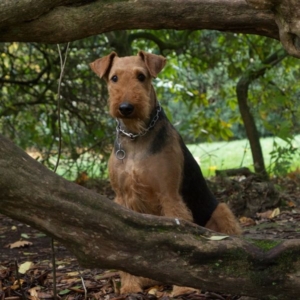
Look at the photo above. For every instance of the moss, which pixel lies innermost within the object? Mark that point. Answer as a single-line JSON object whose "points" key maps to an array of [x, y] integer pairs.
{"points": [[265, 245], [287, 260]]}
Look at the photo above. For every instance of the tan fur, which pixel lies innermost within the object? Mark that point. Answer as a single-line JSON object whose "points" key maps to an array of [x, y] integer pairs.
{"points": [[142, 182], [223, 220]]}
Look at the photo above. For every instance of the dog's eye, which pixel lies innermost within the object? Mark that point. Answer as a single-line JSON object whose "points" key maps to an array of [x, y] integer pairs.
{"points": [[114, 78], [141, 77]]}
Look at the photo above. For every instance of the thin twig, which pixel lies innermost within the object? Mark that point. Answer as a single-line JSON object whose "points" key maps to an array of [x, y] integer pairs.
{"points": [[53, 268], [83, 284], [62, 68]]}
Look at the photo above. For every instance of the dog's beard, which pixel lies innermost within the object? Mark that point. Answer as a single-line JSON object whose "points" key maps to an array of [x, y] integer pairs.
{"points": [[135, 126], [136, 122]]}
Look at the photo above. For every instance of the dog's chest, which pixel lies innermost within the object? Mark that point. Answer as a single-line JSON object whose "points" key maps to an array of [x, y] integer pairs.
{"points": [[133, 168], [135, 185]]}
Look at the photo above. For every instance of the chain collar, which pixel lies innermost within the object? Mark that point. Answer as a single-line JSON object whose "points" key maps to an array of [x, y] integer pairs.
{"points": [[142, 133], [120, 153]]}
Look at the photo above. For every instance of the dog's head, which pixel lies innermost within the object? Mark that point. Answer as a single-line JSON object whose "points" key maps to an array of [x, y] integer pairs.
{"points": [[131, 95]]}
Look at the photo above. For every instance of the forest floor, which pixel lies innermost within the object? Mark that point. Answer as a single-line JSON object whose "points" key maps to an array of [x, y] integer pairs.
{"points": [[26, 254]]}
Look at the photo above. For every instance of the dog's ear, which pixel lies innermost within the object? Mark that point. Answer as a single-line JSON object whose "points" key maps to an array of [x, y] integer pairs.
{"points": [[102, 65], [154, 63]]}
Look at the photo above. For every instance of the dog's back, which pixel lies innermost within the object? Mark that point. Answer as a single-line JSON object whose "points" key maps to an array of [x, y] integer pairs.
{"points": [[194, 189]]}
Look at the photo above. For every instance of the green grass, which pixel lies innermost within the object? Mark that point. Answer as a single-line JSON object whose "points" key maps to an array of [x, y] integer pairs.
{"points": [[235, 154], [210, 156]]}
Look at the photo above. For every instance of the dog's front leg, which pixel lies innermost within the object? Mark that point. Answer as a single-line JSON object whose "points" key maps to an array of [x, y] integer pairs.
{"points": [[172, 205], [222, 220]]}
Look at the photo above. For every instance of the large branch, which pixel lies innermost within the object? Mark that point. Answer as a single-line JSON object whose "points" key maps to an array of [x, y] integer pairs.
{"points": [[103, 234], [287, 17], [57, 21]]}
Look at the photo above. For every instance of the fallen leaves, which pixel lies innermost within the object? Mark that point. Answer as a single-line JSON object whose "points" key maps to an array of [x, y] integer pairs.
{"points": [[37, 294], [18, 244], [36, 281], [24, 267], [269, 214], [16, 285]]}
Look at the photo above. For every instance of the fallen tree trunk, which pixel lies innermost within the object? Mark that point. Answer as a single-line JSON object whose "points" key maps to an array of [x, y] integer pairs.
{"points": [[103, 234], [235, 172]]}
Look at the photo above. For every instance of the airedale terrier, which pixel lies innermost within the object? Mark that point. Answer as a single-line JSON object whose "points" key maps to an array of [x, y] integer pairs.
{"points": [[151, 170]]}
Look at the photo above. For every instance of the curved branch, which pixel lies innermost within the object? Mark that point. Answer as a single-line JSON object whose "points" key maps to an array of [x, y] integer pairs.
{"points": [[28, 82], [103, 234], [41, 21], [287, 17]]}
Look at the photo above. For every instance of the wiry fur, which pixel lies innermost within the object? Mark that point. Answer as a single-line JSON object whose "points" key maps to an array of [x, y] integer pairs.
{"points": [[158, 175]]}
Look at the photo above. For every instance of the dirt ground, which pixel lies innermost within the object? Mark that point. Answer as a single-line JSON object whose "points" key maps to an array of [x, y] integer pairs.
{"points": [[26, 255]]}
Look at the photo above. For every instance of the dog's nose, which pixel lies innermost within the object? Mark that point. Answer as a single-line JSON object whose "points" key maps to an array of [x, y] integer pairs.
{"points": [[126, 108]]}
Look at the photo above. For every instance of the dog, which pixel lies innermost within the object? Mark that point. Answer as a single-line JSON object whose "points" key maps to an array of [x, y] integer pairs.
{"points": [[150, 168]]}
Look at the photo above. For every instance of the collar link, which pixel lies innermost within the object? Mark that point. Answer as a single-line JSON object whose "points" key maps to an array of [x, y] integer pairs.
{"points": [[142, 133]]}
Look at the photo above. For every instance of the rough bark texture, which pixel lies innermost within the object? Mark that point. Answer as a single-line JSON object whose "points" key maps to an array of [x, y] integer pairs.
{"points": [[287, 17], [103, 234], [57, 21]]}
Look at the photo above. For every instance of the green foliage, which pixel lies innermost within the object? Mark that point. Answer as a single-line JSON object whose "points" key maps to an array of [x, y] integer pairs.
{"points": [[282, 158], [197, 89], [28, 104]]}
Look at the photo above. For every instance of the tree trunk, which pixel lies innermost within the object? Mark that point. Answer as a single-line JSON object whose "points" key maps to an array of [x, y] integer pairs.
{"points": [[103, 234], [242, 95]]}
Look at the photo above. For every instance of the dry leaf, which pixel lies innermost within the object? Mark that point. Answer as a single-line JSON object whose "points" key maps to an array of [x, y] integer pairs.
{"points": [[71, 274], [18, 244], [291, 204], [70, 281], [265, 215], [25, 267], [16, 286], [269, 214], [245, 221], [77, 289], [43, 295], [152, 291], [216, 237], [275, 213], [33, 293]]}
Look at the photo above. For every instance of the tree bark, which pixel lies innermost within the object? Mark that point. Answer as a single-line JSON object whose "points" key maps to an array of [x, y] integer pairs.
{"points": [[287, 17], [234, 172], [242, 95], [58, 21], [103, 234]]}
